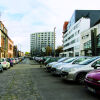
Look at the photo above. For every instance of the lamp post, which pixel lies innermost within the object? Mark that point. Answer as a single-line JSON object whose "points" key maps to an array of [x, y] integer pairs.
{"points": [[19, 45], [54, 40]]}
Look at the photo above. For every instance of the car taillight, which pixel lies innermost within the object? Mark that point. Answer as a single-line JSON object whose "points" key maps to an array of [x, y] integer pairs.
{"points": [[4, 62]]}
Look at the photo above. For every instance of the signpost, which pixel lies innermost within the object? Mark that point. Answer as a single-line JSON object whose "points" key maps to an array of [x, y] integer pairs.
{"points": [[43, 50]]}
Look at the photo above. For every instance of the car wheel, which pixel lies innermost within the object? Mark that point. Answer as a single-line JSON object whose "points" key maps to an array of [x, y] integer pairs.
{"points": [[80, 78], [2, 70], [6, 68]]}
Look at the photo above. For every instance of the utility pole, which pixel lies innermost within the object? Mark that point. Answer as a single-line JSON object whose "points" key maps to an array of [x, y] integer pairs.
{"points": [[0, 15], [54, 40]]}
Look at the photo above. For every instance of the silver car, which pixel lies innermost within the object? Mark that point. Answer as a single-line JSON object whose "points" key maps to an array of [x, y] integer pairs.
{"points": [[49, 65], [78, 72], [63, 63], [57, 69]]}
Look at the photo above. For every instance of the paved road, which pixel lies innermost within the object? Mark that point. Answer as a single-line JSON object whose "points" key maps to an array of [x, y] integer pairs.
{"points": [[27, 81]]}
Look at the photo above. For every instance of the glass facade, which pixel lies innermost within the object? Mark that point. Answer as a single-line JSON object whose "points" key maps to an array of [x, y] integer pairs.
{"points": [[71, 22], [87, 45]]}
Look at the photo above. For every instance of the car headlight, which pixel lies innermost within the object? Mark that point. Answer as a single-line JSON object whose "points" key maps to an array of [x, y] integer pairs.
{"points": [[60, 67], [98, 81], [71, 69]]}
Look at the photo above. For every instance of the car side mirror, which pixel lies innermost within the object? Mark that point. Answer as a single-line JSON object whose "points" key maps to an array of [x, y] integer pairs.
{"points": [[95, 66]]}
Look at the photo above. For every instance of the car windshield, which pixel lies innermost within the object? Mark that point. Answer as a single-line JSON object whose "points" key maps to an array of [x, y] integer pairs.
{"points": [[80, 60], [1, 60], [62, 59], [48, 59], [69, 60], [8, 59], [88, 61], [12, 58]]}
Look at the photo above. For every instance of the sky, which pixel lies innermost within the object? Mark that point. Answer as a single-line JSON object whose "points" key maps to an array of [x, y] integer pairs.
{"points": [[23, 17]]}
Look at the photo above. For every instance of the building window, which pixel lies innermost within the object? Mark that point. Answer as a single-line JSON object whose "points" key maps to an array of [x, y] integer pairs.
{"points": [[98, 40], [87, 45]]}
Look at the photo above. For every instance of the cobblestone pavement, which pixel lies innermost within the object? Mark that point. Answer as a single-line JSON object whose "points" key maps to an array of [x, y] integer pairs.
{"points": [[27, 81], [17, 83]]}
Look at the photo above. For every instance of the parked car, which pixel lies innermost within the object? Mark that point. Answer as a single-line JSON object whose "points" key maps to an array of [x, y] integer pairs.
{"points": [[57, 69], [13, 59], [10, 61], [5, 63], [78, 72], [92, 81], [16, 60], [51, 59], [67, 61], [41, 60], [49, 65], [1, 67], [31, 58]]}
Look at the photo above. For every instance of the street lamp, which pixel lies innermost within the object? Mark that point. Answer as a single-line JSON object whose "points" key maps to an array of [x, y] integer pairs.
{"points": [[54, 40]]}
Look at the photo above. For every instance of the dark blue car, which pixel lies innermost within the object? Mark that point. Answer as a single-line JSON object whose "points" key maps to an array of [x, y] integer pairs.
{"points": [[10, 61]]}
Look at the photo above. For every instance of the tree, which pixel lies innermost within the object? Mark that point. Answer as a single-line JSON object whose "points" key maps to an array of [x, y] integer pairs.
{"points": [[48, 51], [59, 50], [27, 53]]}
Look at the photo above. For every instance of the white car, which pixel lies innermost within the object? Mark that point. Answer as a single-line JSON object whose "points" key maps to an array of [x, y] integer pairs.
{"points": [[78, 72], [5, 63]]}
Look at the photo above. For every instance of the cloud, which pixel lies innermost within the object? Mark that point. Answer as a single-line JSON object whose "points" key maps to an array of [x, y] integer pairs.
{"points": [[23, 17]]}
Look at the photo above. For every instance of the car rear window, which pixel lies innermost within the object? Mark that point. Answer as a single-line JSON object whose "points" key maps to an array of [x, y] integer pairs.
{"points": [[88, 61], [69, 60]]}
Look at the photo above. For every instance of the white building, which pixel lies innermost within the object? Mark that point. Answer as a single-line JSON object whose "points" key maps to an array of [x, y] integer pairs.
{"points": [[73, 35], [41, 40]]}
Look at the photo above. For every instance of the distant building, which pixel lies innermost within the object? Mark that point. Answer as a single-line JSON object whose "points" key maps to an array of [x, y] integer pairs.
{"points": [[65, 27], [10, 48], [15, 51], [22, 54], [41, 40]]}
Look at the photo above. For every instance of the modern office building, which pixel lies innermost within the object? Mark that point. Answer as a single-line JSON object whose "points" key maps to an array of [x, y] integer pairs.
{"points": [[80, 21], [72, 37], [90, 41], [41, 40], [94, 16]]}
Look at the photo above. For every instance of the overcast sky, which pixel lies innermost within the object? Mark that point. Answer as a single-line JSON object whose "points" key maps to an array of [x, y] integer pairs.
{"points": [[23, 17]]}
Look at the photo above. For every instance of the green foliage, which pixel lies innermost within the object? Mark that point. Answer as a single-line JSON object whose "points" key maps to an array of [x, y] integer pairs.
{"points": [[48, 51], [59, 50], [27, 53]]}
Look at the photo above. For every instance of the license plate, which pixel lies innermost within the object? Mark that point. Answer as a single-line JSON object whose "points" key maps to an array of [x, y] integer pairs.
{"points": [[91, 89]]}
